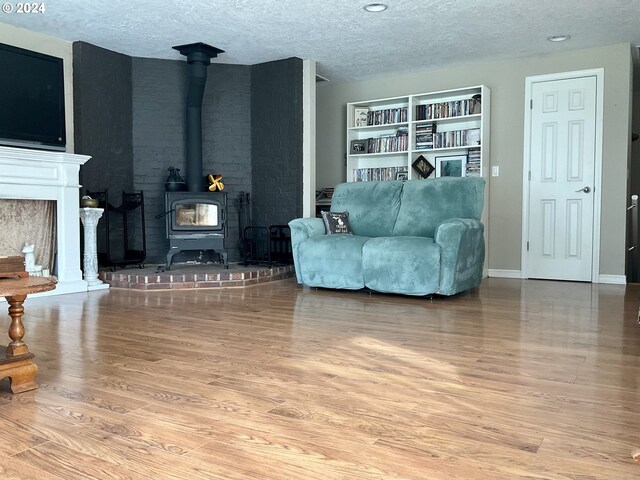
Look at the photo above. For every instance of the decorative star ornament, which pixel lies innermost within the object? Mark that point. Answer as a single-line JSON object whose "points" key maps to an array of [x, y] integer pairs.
{"points": [[215, 183]]}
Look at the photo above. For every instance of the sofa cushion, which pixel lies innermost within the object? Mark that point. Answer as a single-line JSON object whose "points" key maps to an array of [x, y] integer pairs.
{"points": [[332, 261], [427, 203], [336, 222], [372, 206], [409, 265]]}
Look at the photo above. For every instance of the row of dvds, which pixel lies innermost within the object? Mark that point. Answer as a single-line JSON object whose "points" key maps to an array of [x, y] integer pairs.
{"points": [[363, 117], [457, 138], [382, 173], [456, 108], [384, 143]]}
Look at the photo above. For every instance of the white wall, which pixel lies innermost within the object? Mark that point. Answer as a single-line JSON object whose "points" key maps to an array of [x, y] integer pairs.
{"points": [[37, 42], [506, 79]]}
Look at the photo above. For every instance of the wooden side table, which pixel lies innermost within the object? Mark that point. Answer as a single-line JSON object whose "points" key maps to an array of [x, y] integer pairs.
{"points": [[18, 362]]}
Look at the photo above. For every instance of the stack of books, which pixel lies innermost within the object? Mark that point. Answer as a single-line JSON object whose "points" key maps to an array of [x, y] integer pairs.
{"points": [[424, 136], [473, 163], [12, 267], [325, 193]]}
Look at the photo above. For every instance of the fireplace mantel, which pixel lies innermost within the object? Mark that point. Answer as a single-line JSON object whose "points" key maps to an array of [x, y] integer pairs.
{"points": [[27, 174]]}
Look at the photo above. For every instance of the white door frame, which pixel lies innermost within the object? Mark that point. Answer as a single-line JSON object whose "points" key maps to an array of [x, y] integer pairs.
{"points": [[597, 187]]}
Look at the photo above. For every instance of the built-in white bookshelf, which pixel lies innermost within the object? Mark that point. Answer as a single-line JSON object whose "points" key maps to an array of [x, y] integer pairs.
{"points": [[448, 130]]}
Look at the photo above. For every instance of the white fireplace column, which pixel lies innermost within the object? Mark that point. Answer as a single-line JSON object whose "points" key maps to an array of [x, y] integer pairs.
{"points": [[42, 175], [90, 218]]}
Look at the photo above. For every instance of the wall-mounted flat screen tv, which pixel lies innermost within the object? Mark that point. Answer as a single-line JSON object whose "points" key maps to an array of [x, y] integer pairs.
{"points": [[31, 99]]}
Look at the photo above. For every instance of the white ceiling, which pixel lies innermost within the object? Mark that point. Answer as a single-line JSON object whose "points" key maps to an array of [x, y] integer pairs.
{"points": [[348, 43]]}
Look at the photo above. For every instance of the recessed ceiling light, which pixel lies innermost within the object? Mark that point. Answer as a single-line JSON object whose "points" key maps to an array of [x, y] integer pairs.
{"points": [[375, 7], [558, 38]]}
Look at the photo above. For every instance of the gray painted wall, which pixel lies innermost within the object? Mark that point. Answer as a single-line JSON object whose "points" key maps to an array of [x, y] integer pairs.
{"points": [[102, 112], [506, 79], [276, 136]]}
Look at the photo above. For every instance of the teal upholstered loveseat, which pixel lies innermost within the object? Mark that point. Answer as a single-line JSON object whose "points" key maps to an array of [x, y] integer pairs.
{"points": [[415, 237]]}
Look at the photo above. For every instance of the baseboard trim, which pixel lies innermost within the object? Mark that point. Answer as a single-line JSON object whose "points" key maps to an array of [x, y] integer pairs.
{"points": [[612, 279], [608, 279], [498, 273]]}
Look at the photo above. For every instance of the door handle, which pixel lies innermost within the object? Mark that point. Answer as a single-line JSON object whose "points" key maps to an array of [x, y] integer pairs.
{"points": [[586, 189]]}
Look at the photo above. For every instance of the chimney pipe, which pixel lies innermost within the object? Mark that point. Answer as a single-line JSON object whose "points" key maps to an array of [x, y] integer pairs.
{"points": [[199, 57]]}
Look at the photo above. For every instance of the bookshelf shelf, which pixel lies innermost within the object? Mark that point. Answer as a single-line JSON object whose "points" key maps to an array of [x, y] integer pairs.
{"points": [[380, 127], [449, 119], [461, 128], [379, 154], [444, 149]]}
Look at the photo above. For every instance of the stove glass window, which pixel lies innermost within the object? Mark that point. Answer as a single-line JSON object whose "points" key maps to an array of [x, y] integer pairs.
{"points": [[197, 214]]}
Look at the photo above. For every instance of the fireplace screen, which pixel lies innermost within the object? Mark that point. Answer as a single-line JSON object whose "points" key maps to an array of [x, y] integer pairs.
{"points": [[196, 214]]}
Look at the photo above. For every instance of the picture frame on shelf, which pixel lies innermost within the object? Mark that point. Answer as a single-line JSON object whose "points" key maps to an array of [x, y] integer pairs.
{"points": [[360, 116], [402, 176], [358, 147], [451, 166], [423, 167]]}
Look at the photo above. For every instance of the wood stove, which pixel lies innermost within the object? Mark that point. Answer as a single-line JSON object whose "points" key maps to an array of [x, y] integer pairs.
{"points": [[196, 218], [196, 221]]}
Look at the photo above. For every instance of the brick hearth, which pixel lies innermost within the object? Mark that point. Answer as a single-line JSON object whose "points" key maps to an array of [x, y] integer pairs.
{"points": [[195, 276]]}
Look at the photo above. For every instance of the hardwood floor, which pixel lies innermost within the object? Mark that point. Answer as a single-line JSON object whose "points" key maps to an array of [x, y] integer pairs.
{"points": [[515, 380]]}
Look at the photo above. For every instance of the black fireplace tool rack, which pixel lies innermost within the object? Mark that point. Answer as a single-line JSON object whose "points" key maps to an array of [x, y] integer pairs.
{"points": [[122, 238]]}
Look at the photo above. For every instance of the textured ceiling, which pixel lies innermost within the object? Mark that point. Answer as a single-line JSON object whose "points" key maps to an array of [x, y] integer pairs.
{"points": [[348, 43]]}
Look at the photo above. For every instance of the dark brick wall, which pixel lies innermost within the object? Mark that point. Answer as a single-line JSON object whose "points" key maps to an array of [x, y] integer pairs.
{"points": [[159, 92], [102, 113], [102, 100], [276, 137], [226, 137]]}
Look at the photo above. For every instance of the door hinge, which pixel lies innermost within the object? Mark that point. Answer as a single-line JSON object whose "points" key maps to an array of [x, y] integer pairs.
{"points": [[531, 104], [527, 246], [529, 175]]}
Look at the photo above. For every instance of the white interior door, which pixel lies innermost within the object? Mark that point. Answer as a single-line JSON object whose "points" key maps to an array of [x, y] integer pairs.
{"points": [[562, 179]]}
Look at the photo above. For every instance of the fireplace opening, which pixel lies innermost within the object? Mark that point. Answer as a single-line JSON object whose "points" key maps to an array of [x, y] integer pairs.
{"points": [[30, 222]]}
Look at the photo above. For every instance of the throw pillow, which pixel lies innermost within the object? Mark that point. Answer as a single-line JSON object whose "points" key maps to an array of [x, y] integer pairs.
{"points": [[337, 222]]}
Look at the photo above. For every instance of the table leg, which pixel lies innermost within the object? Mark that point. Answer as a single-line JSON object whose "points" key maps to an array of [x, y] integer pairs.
{"points": [[18, 363], [16, 329]]}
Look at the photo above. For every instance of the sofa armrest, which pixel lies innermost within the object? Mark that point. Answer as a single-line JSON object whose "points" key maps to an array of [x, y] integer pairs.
{"points": [[301, 229], [462, 253]]}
